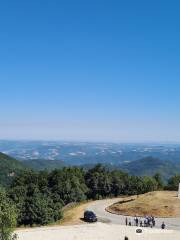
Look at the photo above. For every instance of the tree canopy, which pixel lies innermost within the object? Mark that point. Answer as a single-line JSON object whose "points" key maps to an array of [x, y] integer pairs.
{"points": [[7, 217], [39, 197], [173, 182]]}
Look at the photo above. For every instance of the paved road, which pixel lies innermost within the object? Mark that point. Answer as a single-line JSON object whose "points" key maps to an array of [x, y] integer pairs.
{"points": [[99, 208]]}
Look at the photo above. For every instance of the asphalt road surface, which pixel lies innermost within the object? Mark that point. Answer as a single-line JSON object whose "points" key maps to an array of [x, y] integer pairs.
{"points": [[99, 207]]}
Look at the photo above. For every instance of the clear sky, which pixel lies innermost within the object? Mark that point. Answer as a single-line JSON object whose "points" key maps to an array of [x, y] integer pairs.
{"points": [[90, 70]]}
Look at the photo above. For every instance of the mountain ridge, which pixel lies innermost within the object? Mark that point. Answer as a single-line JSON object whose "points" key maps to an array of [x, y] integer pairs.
{"points": [[9, 167], [150, 166], [147, 166]]}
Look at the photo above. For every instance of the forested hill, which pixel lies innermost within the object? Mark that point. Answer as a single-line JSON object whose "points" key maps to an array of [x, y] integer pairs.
{"points": [[9, 167], [42, 164], [150, 166], [144, 167]]}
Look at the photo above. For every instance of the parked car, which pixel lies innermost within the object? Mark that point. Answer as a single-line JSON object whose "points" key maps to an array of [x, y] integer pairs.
{"points": [[89, 216]]}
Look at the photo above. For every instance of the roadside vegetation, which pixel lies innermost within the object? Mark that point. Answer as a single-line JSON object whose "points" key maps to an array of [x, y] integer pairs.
{"points": [[73, 215], [8, 217]]}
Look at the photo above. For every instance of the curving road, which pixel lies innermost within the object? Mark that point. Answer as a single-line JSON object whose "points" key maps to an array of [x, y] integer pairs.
{"points": [[98, 207]]}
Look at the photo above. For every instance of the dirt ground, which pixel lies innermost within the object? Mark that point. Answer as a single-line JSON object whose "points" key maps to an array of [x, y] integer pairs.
{"points": [[97, 231], [158, 204]]}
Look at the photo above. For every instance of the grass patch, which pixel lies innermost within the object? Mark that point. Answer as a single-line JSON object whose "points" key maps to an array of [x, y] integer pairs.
{"points": [[73, 215], [158, 204]]}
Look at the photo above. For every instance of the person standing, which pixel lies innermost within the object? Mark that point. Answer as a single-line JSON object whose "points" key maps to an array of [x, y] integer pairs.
{"points": [[137, 222], [126, 221], [145, 222], [141, 222], [163, 226]]}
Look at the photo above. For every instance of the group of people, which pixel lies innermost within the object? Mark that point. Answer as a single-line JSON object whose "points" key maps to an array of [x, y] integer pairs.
{"points": [[148, 221]]}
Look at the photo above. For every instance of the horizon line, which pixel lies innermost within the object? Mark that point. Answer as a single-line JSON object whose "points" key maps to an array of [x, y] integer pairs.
{"points": [[88, 141]]}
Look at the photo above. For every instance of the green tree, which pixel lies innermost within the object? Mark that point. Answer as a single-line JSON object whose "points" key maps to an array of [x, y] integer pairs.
{"points": [[159, 180], [98, 180], [119, 182], [7, 217], [35, 202], [135, 186], [69, 184], [173, 183], [149, 184]]}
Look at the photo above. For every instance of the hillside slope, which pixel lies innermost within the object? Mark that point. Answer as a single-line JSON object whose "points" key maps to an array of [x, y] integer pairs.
{"points": [[162, 204], [41, 164], [144, 167], [150, 166], [9, 167]]}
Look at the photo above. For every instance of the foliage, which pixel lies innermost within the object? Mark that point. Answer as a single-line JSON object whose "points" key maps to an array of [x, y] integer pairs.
{"points": [[7, 217], [103, 183], [173, 183], [43, 164], [98, 180], [149, 166], [159, 180], [40, 196], [119, 183], [68, 184], [34, 200], [9, 167]]}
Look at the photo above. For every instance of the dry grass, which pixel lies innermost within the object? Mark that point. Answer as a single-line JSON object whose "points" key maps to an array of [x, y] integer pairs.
{"points": [[158, 204], [74, 215]]}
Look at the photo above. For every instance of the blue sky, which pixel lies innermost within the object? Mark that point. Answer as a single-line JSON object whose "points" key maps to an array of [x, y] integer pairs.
{"points": [[90, 70]]}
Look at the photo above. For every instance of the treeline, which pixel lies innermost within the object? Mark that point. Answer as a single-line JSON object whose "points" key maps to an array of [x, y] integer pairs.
{"points": [[40, 196]]}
